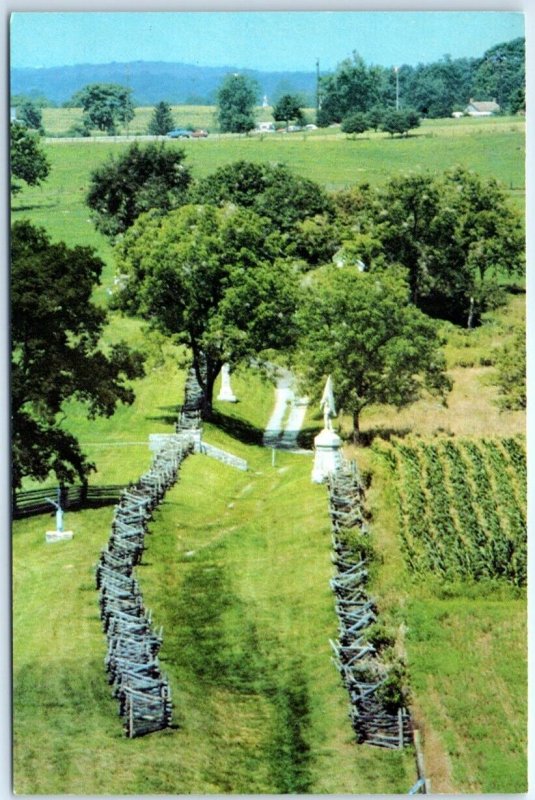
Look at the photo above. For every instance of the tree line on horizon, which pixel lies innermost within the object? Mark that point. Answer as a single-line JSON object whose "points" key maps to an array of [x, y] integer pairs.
{"points": [[433, 90]]}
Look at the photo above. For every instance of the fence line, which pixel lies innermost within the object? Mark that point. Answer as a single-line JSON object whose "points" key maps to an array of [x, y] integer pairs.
{"points": [[375, 720], [34, 501], [131, 661]]}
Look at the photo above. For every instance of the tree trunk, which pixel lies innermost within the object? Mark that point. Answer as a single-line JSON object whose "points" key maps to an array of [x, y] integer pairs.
{"points": [[470, 321], [208, 391], [356, 427], [206, 371]]}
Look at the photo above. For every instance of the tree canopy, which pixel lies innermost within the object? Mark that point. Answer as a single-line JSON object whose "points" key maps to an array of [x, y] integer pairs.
{"points": [[361, 329], [236, 99], [162, 120], [353, 87], [288, 108], [56, 354], [105, 105], [501, 72], [273, 191], [28, 161], [354, 123], [455, 234], [434, 90], [139, 179], [214, 279], [30, 114], [401, 121]]}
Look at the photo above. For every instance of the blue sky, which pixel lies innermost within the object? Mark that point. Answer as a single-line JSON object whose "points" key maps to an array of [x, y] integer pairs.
{"points": [[257, 40]]}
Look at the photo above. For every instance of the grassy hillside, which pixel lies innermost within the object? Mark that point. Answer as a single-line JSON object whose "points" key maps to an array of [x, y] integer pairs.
{"points": [[237, 572]]}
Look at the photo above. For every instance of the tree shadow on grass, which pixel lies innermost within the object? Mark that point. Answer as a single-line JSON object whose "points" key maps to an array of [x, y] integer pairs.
{"points": [[514, 288], [237, 428], [306, 436], [168, 419], [366, 438], [32, 207]]}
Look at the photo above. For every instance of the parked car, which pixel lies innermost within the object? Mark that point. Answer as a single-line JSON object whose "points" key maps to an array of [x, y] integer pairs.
{"points": [[200, 134], [179, 133]]}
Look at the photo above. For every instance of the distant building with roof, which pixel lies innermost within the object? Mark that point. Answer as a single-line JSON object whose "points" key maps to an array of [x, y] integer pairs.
{"points": [[481, 108]]}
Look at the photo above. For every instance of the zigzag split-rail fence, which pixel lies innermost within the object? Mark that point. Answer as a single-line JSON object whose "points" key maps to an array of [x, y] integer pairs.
{"points": [[133, 644], [360, 665], [131, 660]]}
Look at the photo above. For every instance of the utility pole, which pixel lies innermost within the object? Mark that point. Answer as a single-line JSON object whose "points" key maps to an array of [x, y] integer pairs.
{"points": [[318, 101], [127, 75], [396, 70]]}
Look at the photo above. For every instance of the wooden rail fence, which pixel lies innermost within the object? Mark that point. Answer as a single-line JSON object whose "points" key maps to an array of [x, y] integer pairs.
{"points": [[34, 501], [361, 668], [131, 661]]}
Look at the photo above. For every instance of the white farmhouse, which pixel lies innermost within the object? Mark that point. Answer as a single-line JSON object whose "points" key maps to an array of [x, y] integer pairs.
{"points": [[479, 108]]}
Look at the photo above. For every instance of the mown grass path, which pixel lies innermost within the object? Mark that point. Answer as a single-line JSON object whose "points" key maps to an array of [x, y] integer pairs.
{"points": [[289, 412]]}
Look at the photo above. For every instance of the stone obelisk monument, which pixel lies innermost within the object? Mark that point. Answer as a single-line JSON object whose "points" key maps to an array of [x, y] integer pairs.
{"points": [[327, 444]]}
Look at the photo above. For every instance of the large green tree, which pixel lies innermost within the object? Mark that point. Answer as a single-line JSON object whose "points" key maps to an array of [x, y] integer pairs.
{"points": [[353, 87], [105, 105], [288, 108], [215, 279], [56, 354], [361, 329], [162, 120], [30, 115], [138, 179], [236, 100], [456, 234], [436, 89], [500, 73], [27, 159], [401, 121], [272, 190], [354, 123]]}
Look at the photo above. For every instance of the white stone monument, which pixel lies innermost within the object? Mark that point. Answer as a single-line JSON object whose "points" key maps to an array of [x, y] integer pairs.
{"points": [[327, 444], [226, 393], [59, 534]]}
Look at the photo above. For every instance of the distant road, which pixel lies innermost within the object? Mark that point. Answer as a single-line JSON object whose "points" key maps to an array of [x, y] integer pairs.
{"points": [[147, 138], [107, 139]]}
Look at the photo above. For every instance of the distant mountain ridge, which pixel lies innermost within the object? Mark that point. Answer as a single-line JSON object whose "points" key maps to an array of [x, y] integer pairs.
{"points": [[153, 81]]}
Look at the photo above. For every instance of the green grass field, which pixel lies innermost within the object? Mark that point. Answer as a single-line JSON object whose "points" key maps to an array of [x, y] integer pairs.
{"points": [[247, 615], [58, 121], [241, 587]]}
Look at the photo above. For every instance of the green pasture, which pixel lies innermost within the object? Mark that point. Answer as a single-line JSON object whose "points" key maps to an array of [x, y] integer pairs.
{"points": [[237, 572], [58, 121], [468, 669]]}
